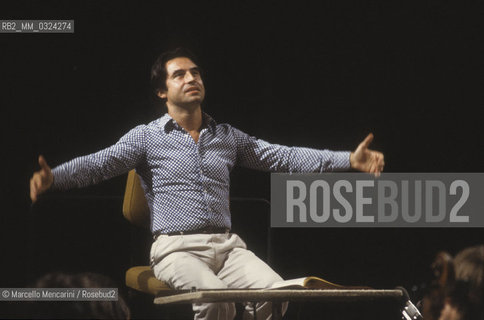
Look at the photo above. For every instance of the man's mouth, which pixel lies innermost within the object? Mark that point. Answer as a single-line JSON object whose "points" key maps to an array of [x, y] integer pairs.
{"points": [[192, 89]]}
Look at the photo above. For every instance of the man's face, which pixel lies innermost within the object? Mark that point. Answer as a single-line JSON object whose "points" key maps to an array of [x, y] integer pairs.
{"points": [[183, 82]]}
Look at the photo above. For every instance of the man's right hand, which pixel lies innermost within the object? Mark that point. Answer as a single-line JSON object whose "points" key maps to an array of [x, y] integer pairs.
{"points": [[41, 181]]}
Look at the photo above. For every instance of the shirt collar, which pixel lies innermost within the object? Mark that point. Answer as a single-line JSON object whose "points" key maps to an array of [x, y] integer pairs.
{"points": [[209, 122], [168, 123]]}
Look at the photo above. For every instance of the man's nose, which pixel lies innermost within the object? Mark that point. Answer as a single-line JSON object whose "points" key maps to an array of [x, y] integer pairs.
{"points": [[189, 77]]}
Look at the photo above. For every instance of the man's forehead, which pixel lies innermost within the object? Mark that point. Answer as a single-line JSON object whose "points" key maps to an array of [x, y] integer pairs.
{"points": [[179, 63]]}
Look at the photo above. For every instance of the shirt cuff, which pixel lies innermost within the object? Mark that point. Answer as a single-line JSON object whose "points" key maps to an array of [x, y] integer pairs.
{"points": [[341, 161], [60, 182]]}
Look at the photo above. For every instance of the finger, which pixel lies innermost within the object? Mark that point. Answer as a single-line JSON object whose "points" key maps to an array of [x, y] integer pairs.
{"points": [[43, 164], [367, 141], [378, 159], [372, 168], [381, 157], [32, 187], [381, 164], [33, 191], [374, 160], [375, 169], [381, 167], [37, 182]]}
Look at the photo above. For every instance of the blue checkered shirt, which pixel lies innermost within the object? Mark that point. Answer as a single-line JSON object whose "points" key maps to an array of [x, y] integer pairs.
{"points": [[187, 183]]}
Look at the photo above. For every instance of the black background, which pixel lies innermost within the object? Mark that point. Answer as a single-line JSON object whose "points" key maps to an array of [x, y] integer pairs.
{"points": [[315, 74]]}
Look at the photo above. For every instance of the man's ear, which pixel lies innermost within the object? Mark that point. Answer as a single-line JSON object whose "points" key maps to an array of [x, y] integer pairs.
{"points": [[162, 94]]}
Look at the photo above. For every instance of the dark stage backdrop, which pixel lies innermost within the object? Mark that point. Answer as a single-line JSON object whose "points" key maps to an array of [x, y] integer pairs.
{"points": [[317, 74]]}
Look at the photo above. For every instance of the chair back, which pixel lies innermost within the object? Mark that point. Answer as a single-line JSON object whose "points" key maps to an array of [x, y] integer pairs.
{"points": [[135, 206]]}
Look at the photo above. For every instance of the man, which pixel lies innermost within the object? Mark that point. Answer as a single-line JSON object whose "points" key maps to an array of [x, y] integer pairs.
{"points": [[184, 159]]}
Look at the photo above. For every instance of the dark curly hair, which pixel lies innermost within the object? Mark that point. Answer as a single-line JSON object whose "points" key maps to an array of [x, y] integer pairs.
{"points": [[158, 70]]}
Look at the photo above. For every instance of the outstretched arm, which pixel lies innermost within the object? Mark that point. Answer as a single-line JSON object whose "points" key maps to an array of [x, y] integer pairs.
{"points": [[367, 160], [41, 180], [261, 155], [87, 170]]}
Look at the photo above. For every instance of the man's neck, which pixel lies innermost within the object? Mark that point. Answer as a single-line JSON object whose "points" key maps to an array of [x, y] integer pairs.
{"points": [[189, 119]]}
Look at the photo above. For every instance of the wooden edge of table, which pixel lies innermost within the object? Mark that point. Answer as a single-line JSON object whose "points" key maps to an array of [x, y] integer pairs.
{"points": [[278, 295]]}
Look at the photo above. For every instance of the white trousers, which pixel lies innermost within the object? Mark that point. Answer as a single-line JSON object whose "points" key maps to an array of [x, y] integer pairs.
{"points": [[212, 261]]}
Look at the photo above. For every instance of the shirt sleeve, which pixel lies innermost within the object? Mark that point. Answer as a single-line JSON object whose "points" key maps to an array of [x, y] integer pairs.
{"points": [[259, 154], [115, 160]]}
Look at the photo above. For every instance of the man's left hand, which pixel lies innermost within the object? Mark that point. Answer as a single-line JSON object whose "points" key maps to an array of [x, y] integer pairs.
{"points": [[366, 160]]}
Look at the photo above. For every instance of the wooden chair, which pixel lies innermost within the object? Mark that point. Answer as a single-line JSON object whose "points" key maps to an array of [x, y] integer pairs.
{"points": [[136, 211]]}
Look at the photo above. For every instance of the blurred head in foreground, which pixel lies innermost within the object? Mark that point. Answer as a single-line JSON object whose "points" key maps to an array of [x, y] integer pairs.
{"points": [[99, 309]]}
